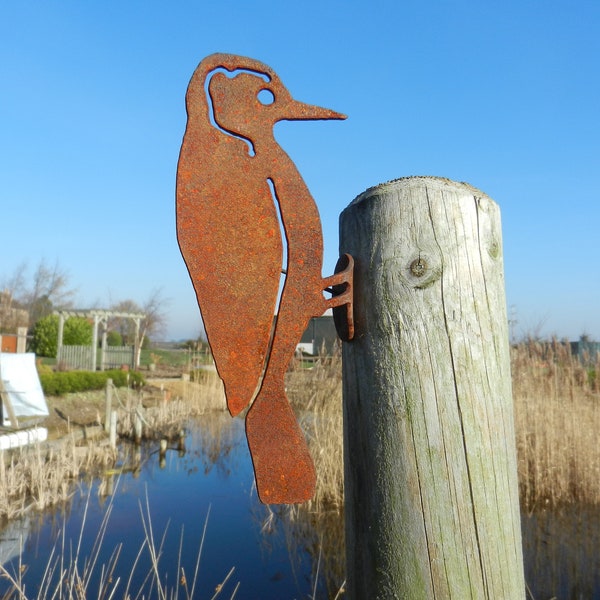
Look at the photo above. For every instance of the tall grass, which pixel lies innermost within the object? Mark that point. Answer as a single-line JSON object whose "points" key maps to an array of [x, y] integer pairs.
{"points": [[557, 417], [316, 395]]}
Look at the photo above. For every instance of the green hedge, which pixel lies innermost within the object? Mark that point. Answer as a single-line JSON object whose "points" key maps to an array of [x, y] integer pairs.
{"points": [[77, 332], [60, 383]]}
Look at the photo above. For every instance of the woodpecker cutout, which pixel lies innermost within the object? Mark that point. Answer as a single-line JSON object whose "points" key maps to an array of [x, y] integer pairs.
{"points": [[247, 228]]}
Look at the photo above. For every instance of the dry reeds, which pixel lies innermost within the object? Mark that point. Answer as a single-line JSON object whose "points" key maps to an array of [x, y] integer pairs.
{"points": [[182, 399], [557, 418], [37, 477], [316, 394], [315, 391]]}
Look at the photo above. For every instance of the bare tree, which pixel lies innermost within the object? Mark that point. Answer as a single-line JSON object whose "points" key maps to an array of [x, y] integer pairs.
{"points": [[153, 323], [155, 309], [49, 288], [124, 325], [14, 284]]}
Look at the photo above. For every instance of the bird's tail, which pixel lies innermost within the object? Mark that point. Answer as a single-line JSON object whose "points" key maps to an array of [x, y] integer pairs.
{"points": [[284, 470]]}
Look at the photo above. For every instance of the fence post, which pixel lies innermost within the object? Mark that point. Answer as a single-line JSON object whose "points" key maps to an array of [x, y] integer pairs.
{"points": [[432, 508], [21, 339]]}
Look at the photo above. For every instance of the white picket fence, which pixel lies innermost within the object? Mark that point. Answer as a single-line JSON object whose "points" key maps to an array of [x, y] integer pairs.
{"points": [[81, 357]]}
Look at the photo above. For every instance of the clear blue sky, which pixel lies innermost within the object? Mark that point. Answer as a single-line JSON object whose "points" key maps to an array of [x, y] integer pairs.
{"points": [[503, 95]]}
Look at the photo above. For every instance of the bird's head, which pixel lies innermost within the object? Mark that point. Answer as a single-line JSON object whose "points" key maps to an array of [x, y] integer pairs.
{"points": [[250, 103]]}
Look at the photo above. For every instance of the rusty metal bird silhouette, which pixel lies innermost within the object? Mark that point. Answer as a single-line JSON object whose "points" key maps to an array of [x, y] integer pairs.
{"points": [[244, 217]]}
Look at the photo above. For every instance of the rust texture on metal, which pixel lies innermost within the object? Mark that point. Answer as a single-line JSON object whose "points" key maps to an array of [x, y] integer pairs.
{"points": [[244, 218]]}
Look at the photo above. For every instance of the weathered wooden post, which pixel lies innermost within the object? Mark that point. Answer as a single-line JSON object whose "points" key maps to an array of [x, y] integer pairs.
{"points": [[21, 339], [112, 435], [107, 404], [61, 330], [94, 359], [432, 506]]}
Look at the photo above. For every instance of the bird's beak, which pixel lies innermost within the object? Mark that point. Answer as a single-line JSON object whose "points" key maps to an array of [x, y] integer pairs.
{"points": [[299, 111]]}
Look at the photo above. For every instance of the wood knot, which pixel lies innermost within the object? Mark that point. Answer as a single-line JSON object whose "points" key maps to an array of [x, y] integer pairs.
{"points": [[494, 249], [418, 267], [423, 270]]}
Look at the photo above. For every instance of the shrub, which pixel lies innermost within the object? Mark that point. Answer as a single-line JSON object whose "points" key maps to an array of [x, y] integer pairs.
{"points": [[61, 383], [77, 332], [114, 338]]}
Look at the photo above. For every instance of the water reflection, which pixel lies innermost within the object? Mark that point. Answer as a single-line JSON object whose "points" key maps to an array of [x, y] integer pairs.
{"points": [[214, 477], [561, 549], [12, 538]]}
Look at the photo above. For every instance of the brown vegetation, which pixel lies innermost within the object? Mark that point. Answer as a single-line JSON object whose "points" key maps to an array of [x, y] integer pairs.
{"points": [[557, 417], [316, 394], [38, 477], [315, 390], [169, 405]]}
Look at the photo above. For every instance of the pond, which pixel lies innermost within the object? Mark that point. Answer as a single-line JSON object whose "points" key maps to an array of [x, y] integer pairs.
{"points": [[203, 499], [202, 503]]}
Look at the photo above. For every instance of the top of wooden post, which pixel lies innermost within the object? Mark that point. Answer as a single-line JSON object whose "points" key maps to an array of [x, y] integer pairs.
{"points": [[415, 181]]}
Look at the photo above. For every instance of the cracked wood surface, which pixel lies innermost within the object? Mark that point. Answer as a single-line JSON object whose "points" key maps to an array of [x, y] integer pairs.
{"points": [[432, 505]]}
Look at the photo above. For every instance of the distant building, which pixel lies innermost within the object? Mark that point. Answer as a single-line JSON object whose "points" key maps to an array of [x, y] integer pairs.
{"points": [[320, 336], [586, 350]]}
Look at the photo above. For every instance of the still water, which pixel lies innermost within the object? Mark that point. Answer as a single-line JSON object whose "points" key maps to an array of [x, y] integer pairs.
{"points": [[210, 485], [274, 553]]}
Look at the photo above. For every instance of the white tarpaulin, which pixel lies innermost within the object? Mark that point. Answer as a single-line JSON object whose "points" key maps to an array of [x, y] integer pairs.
{"points": [[21, 383]]}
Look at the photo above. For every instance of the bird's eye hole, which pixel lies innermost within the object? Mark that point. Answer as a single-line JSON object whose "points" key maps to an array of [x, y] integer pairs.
{"points": [[266, 97]]}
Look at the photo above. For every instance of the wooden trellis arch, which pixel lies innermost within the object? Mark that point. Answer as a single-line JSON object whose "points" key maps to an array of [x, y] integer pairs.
{"points": [[100, 317]]}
